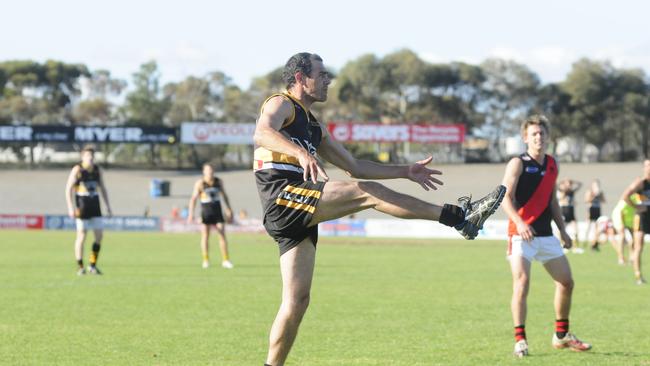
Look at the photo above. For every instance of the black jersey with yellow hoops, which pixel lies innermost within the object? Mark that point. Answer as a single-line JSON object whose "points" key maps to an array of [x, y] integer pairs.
{"points": [[211, 201], [287, 200], [643, 220], [86, 187]]}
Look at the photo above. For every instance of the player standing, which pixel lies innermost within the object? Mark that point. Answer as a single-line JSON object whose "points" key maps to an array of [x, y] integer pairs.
{"points": [[641, 186], [531, 203]]}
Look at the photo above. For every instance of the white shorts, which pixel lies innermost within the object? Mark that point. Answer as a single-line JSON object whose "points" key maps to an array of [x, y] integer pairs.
{"points": [[541, 248], [93, 223]]}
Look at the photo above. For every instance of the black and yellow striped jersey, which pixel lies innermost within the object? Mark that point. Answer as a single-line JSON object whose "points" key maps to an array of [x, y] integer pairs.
{"points": [[86, 187], [87, 181], [209, 191], [302, 129]]}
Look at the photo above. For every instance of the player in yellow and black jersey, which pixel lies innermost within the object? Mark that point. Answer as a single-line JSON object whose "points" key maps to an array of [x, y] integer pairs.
{"points": [[209, 190], [84, 186], [640, 186], [288, 141]]}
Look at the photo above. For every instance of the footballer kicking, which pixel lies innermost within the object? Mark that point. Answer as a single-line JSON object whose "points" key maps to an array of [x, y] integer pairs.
{"points": [[531, 203], [288, 140], [210, 190], [82, 191]]}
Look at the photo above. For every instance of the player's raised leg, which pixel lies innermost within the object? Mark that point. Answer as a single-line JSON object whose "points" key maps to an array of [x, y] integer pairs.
{"points": [[340, 199]]}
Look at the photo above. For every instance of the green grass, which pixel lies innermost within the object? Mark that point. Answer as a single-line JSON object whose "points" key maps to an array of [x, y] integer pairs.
{"points": [[374, 302]]}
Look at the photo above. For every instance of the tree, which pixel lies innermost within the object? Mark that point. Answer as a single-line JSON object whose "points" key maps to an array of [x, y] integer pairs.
{"points": [[145, 104]]}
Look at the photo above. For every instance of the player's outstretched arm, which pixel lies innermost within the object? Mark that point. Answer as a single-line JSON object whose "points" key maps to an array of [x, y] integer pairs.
{"points": [[334, 152], [274, 113]]}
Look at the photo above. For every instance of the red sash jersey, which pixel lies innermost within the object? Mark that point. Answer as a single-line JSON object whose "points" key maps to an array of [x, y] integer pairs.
{"points": [[534, 194]]}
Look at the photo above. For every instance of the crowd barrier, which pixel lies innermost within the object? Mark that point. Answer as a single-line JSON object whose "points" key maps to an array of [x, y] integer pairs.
{"points": [[346, 227]]}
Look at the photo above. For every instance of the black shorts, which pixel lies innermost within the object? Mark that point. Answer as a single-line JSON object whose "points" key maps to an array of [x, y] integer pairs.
{"points": [[568, 212], [289, 204], [87, 207], [211, 216], [594, 213], [642, 222]]}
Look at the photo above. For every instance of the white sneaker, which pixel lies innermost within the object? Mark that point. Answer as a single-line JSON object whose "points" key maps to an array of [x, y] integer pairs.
{"points": [[571, 342], [205, 264], [227, 265], [578, 250], [521, 349]]}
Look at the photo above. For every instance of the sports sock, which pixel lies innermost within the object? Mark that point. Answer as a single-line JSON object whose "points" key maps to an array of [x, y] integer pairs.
{"points": [[451, 215], [520, 333], [80, 262], [94, 254], [561, 327]]}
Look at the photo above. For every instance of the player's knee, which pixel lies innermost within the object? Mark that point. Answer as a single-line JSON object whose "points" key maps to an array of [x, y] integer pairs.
{"points": [[567, 284], [299, 301], [370, 190], [521, 283]]}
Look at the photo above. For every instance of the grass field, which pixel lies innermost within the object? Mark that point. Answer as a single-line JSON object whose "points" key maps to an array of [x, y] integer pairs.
{"points": [[374, 302]]}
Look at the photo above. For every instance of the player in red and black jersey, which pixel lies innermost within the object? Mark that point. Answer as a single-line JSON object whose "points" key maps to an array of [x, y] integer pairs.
{"points": [[289, 140], [209, 190], [640, 186], [531, 204], [85, 184]]}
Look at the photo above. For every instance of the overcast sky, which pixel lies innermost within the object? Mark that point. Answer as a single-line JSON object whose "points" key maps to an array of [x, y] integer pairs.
{"points": [[245, 39]]}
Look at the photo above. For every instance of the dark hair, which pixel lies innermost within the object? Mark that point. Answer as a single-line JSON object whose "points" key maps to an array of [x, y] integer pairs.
{"points": [[298, 62]]}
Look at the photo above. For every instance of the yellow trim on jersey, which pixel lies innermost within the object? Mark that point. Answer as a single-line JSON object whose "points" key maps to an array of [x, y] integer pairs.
{"points": [[302, 191], [300, 104], [297, 206], [293, 115], [269, 156], [637, 222]]}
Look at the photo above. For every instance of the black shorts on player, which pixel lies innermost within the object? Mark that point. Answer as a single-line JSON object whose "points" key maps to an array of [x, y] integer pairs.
{"points": [[568, 212]]}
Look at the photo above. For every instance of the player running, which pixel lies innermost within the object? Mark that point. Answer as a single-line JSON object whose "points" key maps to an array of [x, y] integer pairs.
{"points": [[641, 186], [623, 221]]}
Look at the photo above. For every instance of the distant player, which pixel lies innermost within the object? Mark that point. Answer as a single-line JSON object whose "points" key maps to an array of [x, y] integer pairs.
{"points": [[531, 203], [595, 197], [210, 190], [566, 197], [623, 221], [641, 186], [82, 191]]}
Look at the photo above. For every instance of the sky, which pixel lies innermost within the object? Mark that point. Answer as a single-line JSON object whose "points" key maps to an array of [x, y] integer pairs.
{"points": [[246, 39]]}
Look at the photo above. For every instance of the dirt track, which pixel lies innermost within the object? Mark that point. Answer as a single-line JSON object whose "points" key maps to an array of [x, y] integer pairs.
{"points": [[42, 191]]}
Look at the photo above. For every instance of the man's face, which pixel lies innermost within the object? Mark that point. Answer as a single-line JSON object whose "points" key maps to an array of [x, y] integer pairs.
{"points": [[536, 137], [208, 172], [87, 157], [317, 83]]}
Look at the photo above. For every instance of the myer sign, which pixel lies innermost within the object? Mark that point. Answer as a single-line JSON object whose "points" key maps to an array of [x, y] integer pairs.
{"points": [[107, 134], [115, 134]]}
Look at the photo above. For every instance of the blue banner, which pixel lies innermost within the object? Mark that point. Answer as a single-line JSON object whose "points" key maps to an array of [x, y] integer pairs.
{"points": [[343, 227], [115, 223]]}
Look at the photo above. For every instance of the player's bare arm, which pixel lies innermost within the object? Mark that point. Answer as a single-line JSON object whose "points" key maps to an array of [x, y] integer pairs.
{"points": [[556, 214], [276, 111], [224, 196], [104, 193], [190, 206], [630, 190], [69, 190], [510, 181], [334, 152]]}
